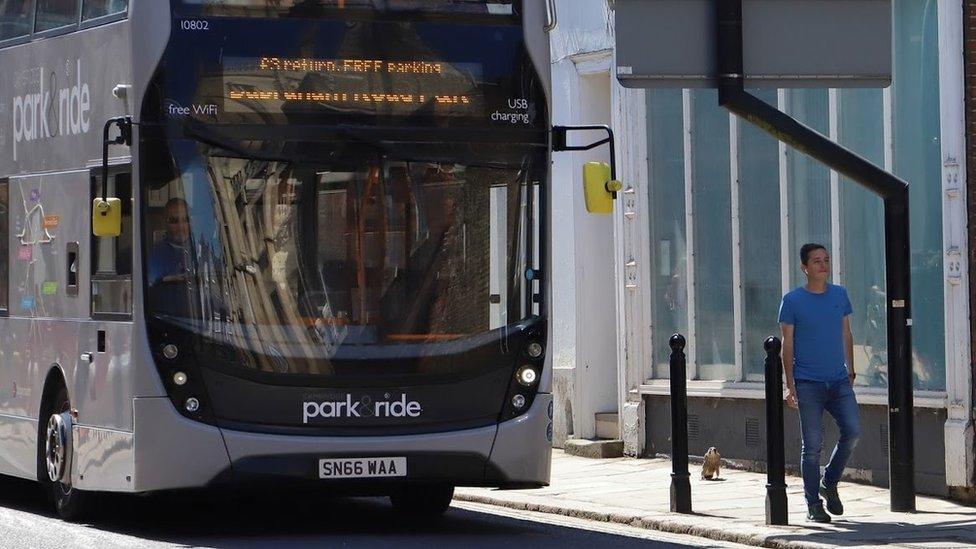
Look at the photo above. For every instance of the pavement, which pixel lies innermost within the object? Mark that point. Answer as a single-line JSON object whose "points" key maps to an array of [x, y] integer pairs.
{"points": [[636, 492]]}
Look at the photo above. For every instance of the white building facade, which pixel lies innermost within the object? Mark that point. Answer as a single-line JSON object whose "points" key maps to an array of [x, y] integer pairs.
{"points": [[705, 238]]}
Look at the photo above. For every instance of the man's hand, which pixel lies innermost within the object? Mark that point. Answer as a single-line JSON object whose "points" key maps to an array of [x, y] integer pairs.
{"points": [[851, 376], [790, 397], [175, 278]]}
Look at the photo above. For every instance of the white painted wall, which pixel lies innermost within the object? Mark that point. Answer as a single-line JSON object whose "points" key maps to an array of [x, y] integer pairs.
{"points": [[584, 313], [563, 264], [596, 327], [960, 456]]}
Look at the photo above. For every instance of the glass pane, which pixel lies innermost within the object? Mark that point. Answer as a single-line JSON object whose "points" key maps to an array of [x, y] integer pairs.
{"points": [[100, 8], [917, 154], [712, 206], [808, 183], [759, 224], [15, 18], [669, 280], [861, 129], [4, 236], [321, 262], [52, 14], [111, 280]]}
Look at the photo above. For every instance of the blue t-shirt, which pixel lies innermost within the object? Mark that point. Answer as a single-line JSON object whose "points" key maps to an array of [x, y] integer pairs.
{"points": [[168, 258], [818, 340]]}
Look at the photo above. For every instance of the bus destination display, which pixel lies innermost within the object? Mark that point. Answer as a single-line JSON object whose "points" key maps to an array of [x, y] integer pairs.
{"points": [[354, 86]]}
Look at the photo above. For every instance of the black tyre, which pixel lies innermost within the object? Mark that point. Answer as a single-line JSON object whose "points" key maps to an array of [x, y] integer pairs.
{"points": [[56, 453], [429, 500]]}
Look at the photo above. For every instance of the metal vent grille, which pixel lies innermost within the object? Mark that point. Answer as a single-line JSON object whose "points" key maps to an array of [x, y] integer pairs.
{"points": [[694, 427], [752, 432], [884, 438]]}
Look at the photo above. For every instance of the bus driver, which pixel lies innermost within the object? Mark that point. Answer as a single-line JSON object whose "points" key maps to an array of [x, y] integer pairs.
{"points": [[169, 259]]}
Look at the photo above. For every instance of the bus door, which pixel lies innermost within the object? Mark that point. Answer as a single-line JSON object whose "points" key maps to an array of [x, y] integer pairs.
{"points": [[105, 348]]}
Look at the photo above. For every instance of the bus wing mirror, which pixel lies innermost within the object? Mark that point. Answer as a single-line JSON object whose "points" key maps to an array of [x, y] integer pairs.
{"points": [[599, 188], [107, 217], [106, 211]]}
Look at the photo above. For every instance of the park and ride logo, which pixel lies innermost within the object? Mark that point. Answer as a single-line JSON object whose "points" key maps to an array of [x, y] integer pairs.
{"points": [[45, 109], [364, 407]]}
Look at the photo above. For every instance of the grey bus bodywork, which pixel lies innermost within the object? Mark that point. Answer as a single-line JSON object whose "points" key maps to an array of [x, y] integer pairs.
{"points": [[55, 97]]}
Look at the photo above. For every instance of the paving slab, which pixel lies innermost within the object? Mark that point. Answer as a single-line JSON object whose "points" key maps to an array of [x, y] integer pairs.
{"points": [[637, 491]]}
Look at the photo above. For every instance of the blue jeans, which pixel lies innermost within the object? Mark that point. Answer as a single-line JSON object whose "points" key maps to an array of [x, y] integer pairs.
{"points": [[837, 398]]}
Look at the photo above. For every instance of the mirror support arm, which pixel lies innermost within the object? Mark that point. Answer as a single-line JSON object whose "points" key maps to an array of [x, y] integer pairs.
{"points": [[559, 144], [124, 124]]}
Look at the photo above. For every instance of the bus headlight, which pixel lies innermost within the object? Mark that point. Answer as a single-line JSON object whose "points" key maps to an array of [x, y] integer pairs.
{"points": [[518, 401], [170, 351], [527, 376], [534, 349], [192, 405], [179, 378]]}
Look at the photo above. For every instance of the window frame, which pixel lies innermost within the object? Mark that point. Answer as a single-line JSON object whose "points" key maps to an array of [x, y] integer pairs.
{"points": [[93, 276], [77, 25], [102, 19], [30, 32], [57, 31]]}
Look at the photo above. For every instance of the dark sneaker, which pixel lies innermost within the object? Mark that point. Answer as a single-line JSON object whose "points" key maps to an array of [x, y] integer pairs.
{"points": [[832, 498], [816, 513]]}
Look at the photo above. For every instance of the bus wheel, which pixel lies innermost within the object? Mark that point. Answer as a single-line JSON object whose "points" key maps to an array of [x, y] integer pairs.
{"points": [[426, 500], [69, 503]]}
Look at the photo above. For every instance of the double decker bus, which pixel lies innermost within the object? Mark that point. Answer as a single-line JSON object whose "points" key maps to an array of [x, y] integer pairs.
{"points": [[325, 262]]}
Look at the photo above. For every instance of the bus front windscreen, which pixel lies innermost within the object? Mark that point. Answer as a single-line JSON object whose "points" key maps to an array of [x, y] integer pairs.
{"points": [[301, 266], [342, 193]]}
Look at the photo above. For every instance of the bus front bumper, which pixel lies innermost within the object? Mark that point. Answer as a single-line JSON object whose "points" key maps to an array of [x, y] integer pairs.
{"points": [[172, 452]]}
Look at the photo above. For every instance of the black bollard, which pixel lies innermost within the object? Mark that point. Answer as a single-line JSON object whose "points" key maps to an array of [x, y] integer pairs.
{"points": [[680, 483], [776, 508]]}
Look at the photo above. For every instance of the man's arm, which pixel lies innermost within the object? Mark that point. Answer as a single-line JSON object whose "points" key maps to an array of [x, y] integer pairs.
{"points": [[849, 348], [787, 356]]}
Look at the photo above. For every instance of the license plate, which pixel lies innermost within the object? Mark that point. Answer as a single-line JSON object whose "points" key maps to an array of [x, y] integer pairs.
{"points": [[363, 467]]}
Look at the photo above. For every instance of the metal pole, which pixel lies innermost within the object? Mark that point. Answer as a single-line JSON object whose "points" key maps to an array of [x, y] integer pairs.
{"points": [[776, 508], [894, 191], [680, 483], [901, 435]]}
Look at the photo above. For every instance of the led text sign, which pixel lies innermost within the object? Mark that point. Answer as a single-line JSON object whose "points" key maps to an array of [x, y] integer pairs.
{"points": [[369, 86]]}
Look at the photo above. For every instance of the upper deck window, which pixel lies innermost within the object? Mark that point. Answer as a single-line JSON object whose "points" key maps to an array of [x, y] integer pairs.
{"points": [[54, 14], [15, 18], [299, 8], [93, 9]]}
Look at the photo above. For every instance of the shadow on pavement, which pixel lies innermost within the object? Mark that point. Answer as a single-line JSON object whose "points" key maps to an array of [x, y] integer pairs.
{"points": [[849, 533], [276, 519]]}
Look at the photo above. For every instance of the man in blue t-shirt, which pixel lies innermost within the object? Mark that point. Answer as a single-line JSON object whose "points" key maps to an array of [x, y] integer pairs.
{"points": [[169, 259], [818, 357]]}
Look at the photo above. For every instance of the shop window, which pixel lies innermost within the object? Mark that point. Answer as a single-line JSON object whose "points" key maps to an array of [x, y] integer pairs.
{"points": [[111, 277], [761, 264], [669, 275], [862, 258], [711, 209], [913, 148], [807, 182], [15, 18], [917, 158]]}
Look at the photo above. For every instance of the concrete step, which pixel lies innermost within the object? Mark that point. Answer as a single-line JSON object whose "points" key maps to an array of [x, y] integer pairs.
{"points": [[607, 425], [594, 448]]}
